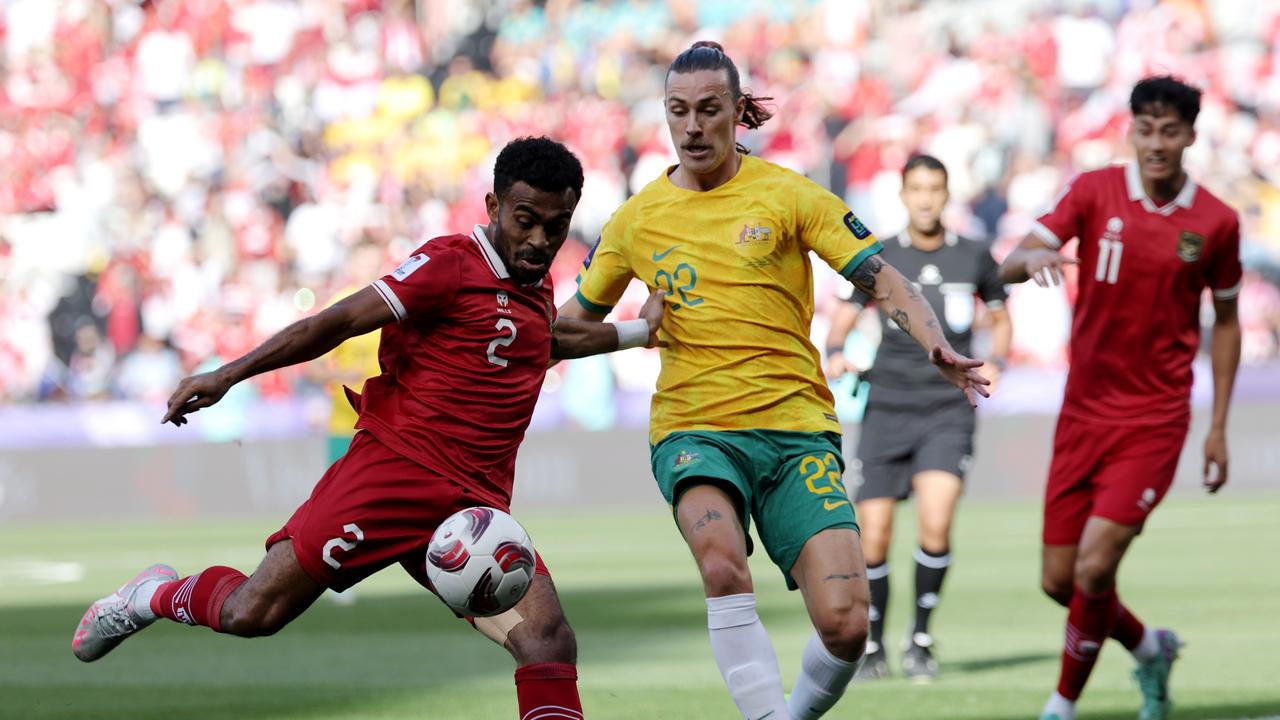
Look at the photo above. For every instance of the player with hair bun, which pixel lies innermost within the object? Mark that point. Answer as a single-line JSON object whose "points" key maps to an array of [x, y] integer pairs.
{"points": [[743, 424]]}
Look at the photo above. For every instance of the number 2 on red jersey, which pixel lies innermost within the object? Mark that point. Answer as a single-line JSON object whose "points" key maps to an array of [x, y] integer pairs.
{"points": [[503, 325]]}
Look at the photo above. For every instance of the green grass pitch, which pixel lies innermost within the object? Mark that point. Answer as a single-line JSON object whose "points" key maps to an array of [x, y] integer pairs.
{"points": [[1206, 566]]}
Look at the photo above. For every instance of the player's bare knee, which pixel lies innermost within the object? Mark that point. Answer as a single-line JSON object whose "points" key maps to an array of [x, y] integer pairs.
{"points": [[1058, 589], [723, 574], [1094, 573], [844, 632]]}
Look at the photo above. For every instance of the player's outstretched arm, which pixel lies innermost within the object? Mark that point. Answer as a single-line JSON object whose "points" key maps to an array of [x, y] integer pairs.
{"points": [[1033, 259], [896, 296], [306, 339], [580, 333], [1225, 354]]}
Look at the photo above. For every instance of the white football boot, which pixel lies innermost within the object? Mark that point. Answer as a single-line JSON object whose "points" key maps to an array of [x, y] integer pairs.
{"points": [[110, 620]]}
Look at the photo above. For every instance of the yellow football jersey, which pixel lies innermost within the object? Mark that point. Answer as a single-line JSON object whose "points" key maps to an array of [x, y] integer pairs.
{"points": [[358, 354], [735, 264]]}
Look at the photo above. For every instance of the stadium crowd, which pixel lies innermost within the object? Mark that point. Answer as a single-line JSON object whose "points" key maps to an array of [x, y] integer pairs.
{"points": [[185, 178]]}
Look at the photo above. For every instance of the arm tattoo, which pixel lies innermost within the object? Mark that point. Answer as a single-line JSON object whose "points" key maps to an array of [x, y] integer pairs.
{"points": [[839, 576], [865, 275], [900, 317], [709, 517]]}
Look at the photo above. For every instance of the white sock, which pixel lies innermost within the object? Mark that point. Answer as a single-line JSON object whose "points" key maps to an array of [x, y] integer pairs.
{"points": [[745, 656], [1066, 709], [1148, 647], [142, 599], [823, 679]]}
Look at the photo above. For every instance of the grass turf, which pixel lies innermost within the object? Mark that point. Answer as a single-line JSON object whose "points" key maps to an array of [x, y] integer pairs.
{"points": [[632, 595]]}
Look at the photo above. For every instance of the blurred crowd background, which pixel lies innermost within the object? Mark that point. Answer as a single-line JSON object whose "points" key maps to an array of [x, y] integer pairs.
{"points": [[183, 179]]}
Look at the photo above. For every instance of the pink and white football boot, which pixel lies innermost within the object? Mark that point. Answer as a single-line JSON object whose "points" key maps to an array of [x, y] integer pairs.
{"points": [[115, 617]]}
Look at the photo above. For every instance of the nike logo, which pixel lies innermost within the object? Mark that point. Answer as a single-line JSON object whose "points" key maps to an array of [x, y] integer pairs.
{"points": [[659, 255], [833, 504]]}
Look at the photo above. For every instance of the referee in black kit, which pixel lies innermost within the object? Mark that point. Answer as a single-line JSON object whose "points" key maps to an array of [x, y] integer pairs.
{"points": [[917, 433]]}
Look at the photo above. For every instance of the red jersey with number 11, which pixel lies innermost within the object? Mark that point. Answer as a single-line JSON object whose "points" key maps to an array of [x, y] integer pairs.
{"points": [[1142, 272], [462, 366]]}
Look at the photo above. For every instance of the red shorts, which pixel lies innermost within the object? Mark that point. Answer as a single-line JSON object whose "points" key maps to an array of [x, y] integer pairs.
{"points": [[372, 508], [1118, 472]]}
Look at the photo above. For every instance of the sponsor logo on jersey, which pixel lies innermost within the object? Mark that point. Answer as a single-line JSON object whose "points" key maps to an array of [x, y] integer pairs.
{"points": [[686, 458], [1190, 246], [408, 267], [1148, 499], [856, 227], [659, 256], [930, 275]]}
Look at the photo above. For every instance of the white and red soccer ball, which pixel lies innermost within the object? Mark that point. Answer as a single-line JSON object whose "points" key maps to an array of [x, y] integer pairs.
{"points": [[480, 562]]}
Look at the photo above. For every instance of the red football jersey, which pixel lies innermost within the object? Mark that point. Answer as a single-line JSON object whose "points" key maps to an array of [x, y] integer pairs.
{"points": [[462, 366], [1143, 270]]}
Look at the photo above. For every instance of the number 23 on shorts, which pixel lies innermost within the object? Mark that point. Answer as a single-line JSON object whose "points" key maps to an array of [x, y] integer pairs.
{"points": [[822, 477]]}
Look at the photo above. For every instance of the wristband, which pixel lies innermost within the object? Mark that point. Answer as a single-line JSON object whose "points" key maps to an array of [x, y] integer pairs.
{"points": [[835, 349], [999, 363], [632, 333]]}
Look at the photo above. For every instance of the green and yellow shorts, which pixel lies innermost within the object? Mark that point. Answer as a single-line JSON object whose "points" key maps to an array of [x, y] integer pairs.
{"points": [[790, 482]]}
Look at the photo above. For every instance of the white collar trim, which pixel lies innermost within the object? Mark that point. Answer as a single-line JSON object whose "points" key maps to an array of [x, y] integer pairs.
{"points": [[491, 256], [1133, 181]]}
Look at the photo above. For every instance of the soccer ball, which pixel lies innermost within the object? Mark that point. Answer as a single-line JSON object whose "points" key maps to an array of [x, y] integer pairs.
{"points": [[480, 562]]}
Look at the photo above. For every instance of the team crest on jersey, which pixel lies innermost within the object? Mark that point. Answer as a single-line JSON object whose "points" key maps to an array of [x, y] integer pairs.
{"points": [[1190, 246], [856, 227], [686, 458], [755, 240]]}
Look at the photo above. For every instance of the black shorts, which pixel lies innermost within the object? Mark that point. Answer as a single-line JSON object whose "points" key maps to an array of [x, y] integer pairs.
{"points": [[899, 441]]}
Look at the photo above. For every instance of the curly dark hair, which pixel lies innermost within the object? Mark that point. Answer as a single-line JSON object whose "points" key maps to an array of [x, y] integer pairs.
{"points": [[1167, 91], [539, 162]]}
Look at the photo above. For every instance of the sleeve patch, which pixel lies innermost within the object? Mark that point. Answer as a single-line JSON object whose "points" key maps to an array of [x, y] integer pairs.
{"points": [[856, 227], [408, 267], [586, 262]]}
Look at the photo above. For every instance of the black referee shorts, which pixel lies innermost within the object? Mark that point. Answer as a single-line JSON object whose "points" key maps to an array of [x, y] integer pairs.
{"points": [[897, 442]]}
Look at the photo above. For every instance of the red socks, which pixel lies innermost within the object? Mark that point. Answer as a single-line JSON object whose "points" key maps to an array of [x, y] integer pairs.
{"points": [[198, 599], [1090, 619], [548, 691], [1128, 629]]}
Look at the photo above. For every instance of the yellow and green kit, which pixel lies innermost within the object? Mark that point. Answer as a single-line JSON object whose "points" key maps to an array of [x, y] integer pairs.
{"points": [[741, 388]]}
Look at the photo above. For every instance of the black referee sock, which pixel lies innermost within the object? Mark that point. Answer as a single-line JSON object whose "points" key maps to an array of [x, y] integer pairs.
{"points": [[930, 569], [878, 575]]}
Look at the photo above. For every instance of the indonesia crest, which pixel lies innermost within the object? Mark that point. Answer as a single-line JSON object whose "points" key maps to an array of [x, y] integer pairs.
{"points": [[1190, 246]]}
